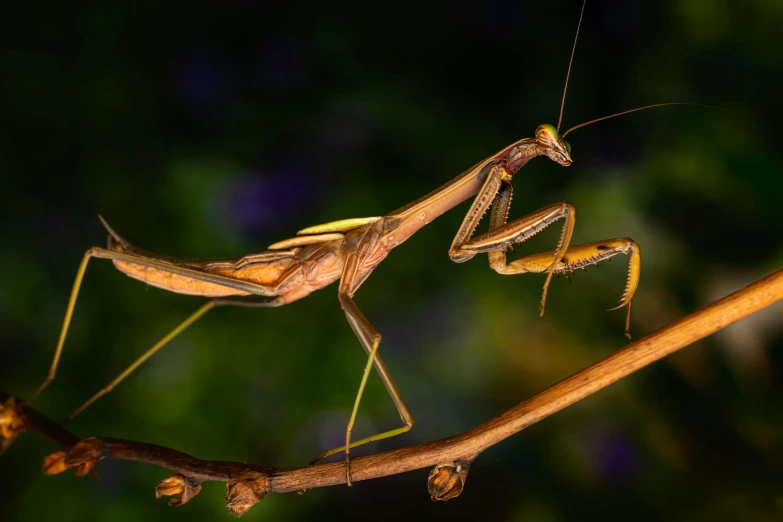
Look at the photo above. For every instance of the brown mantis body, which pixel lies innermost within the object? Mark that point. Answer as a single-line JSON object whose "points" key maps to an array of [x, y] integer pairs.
{"points": [[349, 250]]}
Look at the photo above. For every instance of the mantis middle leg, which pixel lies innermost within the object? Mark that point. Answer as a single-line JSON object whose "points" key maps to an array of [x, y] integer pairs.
{"points": [[370, 339], [580, 256], [575, 257]]}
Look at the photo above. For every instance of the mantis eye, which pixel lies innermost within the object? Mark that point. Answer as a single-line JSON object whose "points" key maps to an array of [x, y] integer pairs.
{"points": [[546, 134], [567, 146]]}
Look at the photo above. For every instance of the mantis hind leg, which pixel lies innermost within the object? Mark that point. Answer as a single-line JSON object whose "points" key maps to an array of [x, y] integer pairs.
{"points": [[192, 318], [64, 333], [133, 258], [64, 329], [195, 316]]}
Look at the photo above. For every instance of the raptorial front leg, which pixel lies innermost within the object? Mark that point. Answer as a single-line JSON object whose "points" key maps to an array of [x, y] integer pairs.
{"points": [[502, 235], [496, 192], [484, 199], [370, 340], [580, 256]]}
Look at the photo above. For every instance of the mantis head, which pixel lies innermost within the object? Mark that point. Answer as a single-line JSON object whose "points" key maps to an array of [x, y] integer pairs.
{"points": [[552, 145]]}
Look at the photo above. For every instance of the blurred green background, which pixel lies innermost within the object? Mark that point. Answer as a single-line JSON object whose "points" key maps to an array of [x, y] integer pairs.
{"points": [[213, 129]]}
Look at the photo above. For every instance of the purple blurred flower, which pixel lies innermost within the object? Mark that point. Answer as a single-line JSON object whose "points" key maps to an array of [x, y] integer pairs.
{"points": [[268, 201], [612, 453], [203, 79], [279, 65]]}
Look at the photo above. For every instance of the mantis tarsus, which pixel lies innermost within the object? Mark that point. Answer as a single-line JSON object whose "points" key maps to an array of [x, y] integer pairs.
{"points": [[349, 250]]}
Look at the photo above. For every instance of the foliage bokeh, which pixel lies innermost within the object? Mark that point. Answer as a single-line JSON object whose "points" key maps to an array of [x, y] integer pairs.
{"points": [[215, 129]]}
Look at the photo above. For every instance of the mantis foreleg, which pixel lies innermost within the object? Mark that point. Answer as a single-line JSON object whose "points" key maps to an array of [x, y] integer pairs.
{"points": [[496, 191]]}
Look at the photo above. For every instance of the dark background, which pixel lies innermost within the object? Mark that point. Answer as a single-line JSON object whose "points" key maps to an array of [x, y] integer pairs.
{"points": [[207, 129]]}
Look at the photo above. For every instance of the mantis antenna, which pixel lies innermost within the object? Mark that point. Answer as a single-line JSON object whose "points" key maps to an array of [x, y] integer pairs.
{"points": [[639, 109], [568, 74], [565, 89]]}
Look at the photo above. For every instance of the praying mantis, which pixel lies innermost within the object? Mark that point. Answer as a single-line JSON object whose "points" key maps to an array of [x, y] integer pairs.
{"points": [[348, 250]]}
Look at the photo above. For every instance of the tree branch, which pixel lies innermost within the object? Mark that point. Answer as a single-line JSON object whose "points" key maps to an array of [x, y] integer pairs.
{"points": [[16, 418], [452, 456]]}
